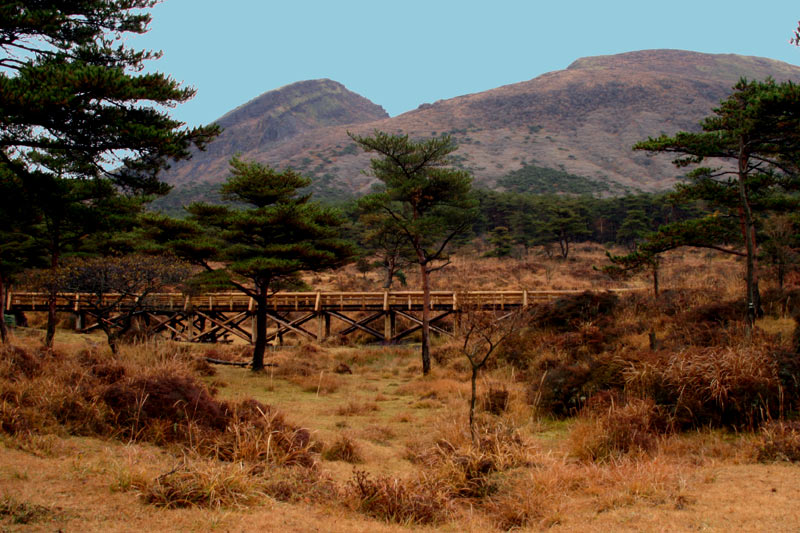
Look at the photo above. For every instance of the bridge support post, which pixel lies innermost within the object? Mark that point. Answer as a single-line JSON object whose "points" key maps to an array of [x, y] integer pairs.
{"points": [[389, 326], [80, 321], [323, 326], [190, 327]]}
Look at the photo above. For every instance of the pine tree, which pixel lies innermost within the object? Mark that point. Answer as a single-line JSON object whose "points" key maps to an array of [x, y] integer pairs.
{"points": [[261, 243], [75, 107], [424, 198], [754, 138]]}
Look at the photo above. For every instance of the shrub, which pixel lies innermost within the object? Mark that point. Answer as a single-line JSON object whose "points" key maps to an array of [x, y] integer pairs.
{"points": [[344, 449], [622, 429], [779, 441], [202, 484], [562, 388], [735, 387], [140, 402], [570, 311], [415, 501], [150, 396]]}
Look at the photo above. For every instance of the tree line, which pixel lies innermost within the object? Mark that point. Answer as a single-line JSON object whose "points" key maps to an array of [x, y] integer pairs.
{"points": [[83, 137]]}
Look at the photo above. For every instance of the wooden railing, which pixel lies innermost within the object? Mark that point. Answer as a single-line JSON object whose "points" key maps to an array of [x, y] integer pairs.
{"points": [[288, 301]]}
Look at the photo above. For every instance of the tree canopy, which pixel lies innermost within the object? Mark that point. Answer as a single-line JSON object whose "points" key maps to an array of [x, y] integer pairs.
{"points": [[83, 131], [424, 198], [745, 163], [261, 243]]}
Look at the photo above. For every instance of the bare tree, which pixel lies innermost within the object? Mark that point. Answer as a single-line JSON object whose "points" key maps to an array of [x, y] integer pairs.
{"points": [[106, 282], [481, 332]]}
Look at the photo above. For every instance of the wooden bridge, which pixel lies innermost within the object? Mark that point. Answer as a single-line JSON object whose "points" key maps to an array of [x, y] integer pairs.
{"points": [[219, 317]]}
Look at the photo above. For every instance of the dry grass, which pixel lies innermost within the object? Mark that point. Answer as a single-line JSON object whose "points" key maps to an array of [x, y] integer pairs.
{"points": [[780, 441], [221, 459], [633, 428], [202, 483], [18, 512], [344, 449], [355, 408]]}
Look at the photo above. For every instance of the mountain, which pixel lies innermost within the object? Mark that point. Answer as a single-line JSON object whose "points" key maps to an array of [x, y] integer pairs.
{"points": [[565, 131], [268, 120]]}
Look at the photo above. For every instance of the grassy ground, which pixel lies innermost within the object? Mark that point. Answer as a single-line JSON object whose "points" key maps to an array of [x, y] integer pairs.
{"points": [[408, 433]]}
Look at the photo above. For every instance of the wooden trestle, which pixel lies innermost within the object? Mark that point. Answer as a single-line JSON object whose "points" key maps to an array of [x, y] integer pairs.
{"points": [[218, 317]]}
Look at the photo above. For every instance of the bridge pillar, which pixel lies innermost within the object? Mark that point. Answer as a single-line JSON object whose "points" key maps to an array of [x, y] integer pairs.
{"points": [[190, 327], [389, 326], [323, 326], [80, 321]]}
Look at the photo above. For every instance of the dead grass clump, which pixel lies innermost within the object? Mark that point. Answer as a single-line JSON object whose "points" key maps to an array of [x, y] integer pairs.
{"points": [[779, 441], [202, 483], [516, 506], [444, 353], [495, 401], [322, 383], [723, 386], [561, 387], [633, 428], [414, 501], [378, 434], [258, 433], [295, 484], [203, 368], [354, 408], [157, 401], [342, 368], [468, 468], [17, 363], [720, 313], [23, 512], [180, 401], [344, 449], [433, 389], [570, 311]]}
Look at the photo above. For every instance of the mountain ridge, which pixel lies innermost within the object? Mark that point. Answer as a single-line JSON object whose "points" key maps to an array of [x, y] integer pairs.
{"points": [[581, 120]]}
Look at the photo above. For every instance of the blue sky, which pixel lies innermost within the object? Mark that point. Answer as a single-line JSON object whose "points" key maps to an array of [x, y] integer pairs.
{"points": [[404, 53]]}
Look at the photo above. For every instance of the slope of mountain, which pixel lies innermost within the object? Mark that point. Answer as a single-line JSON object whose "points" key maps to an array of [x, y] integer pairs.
{"points": [[265, 122], [581, 121]]}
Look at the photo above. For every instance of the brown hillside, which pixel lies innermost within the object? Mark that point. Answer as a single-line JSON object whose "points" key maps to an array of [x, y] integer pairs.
{"points": [[583, 120]]}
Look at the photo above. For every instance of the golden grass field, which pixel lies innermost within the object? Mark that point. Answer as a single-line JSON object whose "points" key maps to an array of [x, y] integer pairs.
{"points": [[383, 448]]}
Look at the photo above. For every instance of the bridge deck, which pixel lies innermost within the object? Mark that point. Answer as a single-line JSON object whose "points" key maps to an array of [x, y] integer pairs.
{"points": [[219, 317], [292, 301]]}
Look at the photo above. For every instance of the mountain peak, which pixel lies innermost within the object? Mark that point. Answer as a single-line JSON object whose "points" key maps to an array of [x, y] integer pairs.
{"points": [[322, 102], [728, 67]]}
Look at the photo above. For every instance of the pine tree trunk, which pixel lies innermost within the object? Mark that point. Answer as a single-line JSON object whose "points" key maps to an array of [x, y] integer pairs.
{"points": [[426, 319], [3, 328], [261, 330], [51, 301], [564, 244], [749, 238], [655, 279]]}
